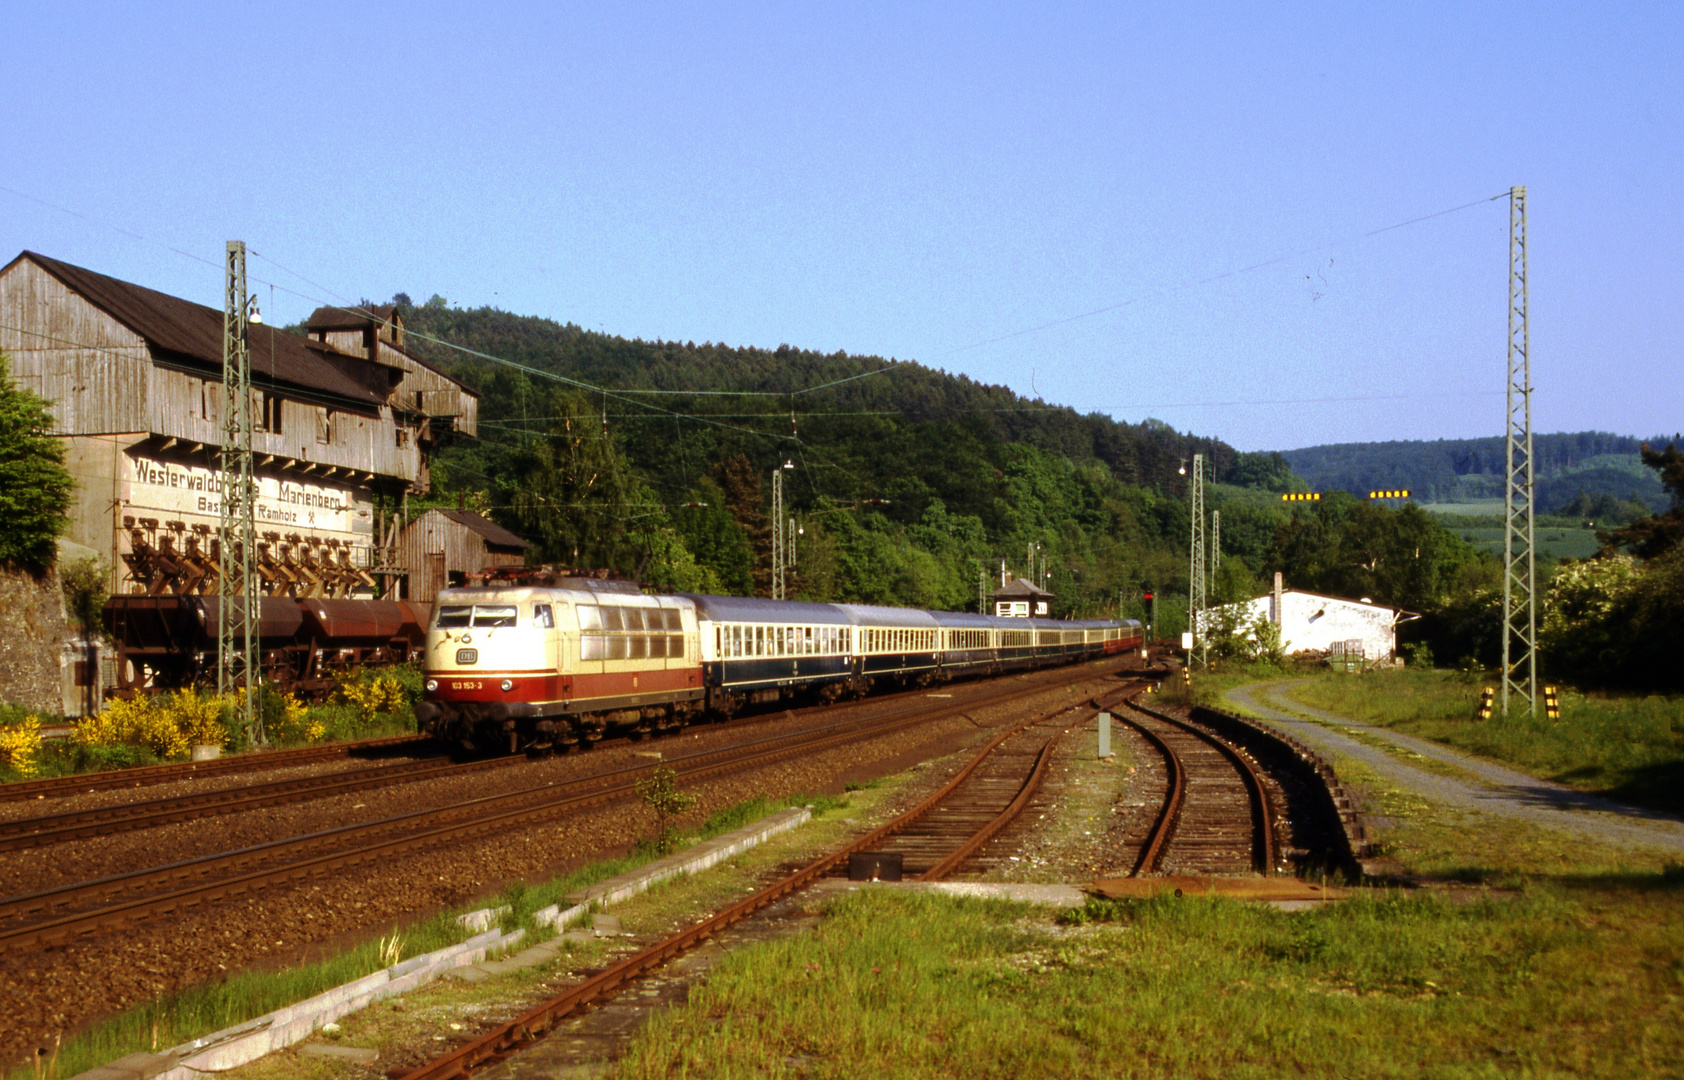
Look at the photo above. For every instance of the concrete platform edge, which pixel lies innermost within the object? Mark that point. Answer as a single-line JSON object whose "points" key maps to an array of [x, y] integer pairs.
{"points": [[248, 1041]]}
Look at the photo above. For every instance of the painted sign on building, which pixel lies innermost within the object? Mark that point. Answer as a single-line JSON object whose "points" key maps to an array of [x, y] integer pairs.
{"points": [[170, 489]]}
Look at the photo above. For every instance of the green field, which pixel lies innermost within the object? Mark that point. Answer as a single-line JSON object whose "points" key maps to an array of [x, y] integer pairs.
{"points": [[1480, 523]]}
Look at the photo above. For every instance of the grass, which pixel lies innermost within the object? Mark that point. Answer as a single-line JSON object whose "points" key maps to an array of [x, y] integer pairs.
{"points": [[1626, 748], [1561, 979], [186, 1014], [1522, 953]]}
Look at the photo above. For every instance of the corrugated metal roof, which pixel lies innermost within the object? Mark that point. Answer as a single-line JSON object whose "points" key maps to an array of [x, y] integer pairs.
{"points": [[493, 533], [191, 330]]}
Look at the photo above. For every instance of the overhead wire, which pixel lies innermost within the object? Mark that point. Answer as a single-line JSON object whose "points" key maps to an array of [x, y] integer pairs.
{"points": [[629, 395]]}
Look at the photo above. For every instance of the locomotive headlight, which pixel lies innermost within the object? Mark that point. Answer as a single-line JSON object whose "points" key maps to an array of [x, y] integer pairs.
{"points": [[508, 684], [432, 685]]}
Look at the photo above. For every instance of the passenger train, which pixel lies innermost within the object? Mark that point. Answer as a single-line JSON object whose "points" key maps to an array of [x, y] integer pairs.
{"points": [[531, 661]]}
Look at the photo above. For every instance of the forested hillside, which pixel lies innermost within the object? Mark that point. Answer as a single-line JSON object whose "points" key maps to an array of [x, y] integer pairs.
{"points": [[1584, 469], [906, 484]]}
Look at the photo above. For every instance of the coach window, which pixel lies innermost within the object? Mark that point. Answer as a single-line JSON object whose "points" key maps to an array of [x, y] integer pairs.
{"points": [[760, 641], [675, 646], [637, 647], [541, 616]]}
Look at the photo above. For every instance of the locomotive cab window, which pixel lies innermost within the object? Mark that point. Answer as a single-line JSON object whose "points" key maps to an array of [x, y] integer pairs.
{"points": [[542, 616], [454, 616], [495, 615]]}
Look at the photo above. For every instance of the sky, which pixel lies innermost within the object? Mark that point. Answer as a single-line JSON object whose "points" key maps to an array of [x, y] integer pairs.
{"points": [[1169, 211]]}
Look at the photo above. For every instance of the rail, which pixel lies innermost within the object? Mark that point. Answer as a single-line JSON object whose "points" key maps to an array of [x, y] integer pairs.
{"points": [[533, 1024], [419, 830]]}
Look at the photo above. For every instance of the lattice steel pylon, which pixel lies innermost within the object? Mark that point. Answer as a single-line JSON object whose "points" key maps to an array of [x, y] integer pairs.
{"points": [[237, 611], [1520, 611], [1196, 571]]}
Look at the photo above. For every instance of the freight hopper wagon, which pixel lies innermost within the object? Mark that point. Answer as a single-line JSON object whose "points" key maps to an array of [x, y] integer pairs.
{"points": [[535, 662], [304, 644]]}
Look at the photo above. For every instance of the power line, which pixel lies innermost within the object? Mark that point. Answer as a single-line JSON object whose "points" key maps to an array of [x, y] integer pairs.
{"points": [[1209, 280]]}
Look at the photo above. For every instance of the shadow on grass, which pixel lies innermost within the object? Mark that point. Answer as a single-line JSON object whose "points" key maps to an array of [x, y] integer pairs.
{"points": [[1654, 787], [1669, 879]]}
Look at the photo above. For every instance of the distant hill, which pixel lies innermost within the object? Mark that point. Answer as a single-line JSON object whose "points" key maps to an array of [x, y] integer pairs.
{"points": [[910, 433], [1571, 468]]}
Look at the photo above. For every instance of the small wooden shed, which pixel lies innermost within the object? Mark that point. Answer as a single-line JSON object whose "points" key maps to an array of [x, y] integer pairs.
{"points": [[441, 546]]}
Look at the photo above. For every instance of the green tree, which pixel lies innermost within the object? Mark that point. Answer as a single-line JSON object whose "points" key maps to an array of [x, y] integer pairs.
{"points": [[1653, 536], [35, 487], [572, 492]]}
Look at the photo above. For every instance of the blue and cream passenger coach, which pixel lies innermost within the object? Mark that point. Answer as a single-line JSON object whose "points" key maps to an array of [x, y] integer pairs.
{"points": [[755, 650]]}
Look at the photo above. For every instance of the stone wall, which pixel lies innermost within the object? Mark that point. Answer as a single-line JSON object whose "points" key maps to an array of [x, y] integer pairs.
{"points": [[32, 636]]}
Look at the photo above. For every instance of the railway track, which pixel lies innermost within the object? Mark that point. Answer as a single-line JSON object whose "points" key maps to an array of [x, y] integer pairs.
{"points": [[1215, 816], [944, 831], [147, 775], [150, 813], [63, 913]]}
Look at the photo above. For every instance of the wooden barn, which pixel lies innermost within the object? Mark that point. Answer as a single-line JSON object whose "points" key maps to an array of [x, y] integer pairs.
{"points": [[441, 546], [345, 422]]}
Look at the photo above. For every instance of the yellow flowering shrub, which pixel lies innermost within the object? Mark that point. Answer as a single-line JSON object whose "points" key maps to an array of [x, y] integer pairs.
{"points": [[167, 724], [382, 694], [292, 722], [19, 745]]}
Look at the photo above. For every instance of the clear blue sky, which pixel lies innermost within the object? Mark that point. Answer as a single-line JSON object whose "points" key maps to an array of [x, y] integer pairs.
{"points": [[918, 181]]}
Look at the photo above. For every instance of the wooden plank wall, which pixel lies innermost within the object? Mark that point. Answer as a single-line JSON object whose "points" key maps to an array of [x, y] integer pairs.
{"points": [[464, 551], [92, 368]]}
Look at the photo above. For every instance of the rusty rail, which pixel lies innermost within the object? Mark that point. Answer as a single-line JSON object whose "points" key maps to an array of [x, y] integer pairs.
{"points": [[126, 817], [533, 1024], [1031, 785], [1264, 855], [477, 815], [147, 775], [1152, 852]]}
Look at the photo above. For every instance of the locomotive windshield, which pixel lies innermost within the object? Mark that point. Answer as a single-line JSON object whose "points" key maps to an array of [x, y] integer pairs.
{"points": [[476, 615]]}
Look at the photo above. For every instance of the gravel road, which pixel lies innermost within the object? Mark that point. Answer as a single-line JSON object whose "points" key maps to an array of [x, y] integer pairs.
{"points": [[1489, 788]]}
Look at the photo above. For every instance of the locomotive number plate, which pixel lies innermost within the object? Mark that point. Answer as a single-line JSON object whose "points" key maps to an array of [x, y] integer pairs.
{"points": [[467, 656]]}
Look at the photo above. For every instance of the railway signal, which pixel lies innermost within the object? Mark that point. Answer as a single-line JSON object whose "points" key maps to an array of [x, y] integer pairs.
{"points": [[1301, 496]]}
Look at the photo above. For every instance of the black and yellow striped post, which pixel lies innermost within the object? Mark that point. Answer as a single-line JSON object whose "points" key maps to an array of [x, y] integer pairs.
{"points": [[1186, 676], [1487, 698], [1301, 496], [1390, 493], [1552, 703]]}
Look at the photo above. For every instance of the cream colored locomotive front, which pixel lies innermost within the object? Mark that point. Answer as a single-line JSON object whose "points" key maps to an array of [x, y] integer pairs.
{"points": [[553, 665]]}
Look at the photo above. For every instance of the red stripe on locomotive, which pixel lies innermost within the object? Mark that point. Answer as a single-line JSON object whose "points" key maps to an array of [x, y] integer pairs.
{"points": [[545, 686]]}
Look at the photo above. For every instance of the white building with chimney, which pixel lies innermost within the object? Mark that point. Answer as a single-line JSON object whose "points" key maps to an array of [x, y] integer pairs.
{"points": [[1316, 622]]}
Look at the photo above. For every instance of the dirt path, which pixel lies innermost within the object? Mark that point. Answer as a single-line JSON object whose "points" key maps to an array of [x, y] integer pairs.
{"points": [[1484, 785]]}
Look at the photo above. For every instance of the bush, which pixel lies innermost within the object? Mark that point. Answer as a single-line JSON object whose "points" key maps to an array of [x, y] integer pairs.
{"points": [[382, 695], [166, 725], [35, 487], [286, 720], [84, 585], [20, 744]]}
